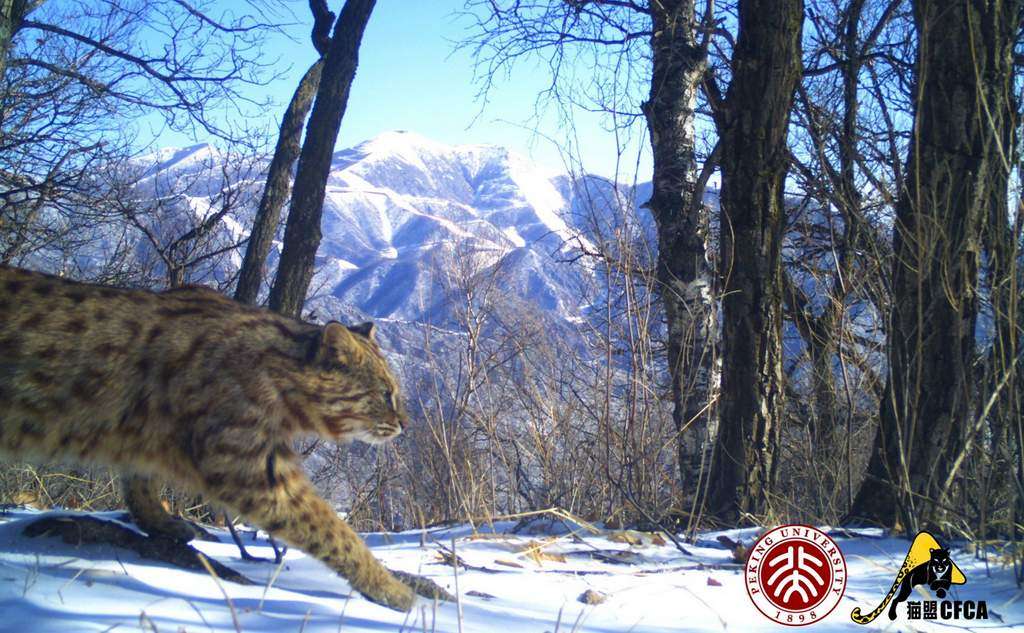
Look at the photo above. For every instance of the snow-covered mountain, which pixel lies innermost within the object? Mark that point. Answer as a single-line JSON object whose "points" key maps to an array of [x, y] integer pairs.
{"points": [[410, 225], [401, 209], [408, 221]]}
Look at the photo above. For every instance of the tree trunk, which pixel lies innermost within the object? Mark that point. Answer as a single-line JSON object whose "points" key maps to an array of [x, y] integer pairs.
{"points": [[752, 128], [278, 186], [302, 232], [11, 14], [1002, 239], [955, 170], [684, 275]]}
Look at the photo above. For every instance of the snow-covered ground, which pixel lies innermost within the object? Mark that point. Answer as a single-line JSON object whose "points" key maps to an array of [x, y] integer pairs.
{"points": [[515, 582]]}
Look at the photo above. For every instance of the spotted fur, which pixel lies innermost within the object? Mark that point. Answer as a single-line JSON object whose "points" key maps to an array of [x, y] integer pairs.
{"points": [[189, 386]]}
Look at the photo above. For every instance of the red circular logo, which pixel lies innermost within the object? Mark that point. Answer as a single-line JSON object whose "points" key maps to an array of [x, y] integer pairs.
{"points": [[795, 575]]}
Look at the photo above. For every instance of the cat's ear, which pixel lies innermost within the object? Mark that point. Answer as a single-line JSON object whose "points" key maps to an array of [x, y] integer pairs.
{"points": [[932, 550], [366, 330], [334, 347]]}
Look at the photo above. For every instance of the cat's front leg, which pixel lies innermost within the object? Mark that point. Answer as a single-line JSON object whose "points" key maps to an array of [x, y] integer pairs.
{"points": [[271, 491]]}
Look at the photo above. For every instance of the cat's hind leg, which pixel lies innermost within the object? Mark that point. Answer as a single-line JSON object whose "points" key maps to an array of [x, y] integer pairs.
{"points": [[142, 496]]}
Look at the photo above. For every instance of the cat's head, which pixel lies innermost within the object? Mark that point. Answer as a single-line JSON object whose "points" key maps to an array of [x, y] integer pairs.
{"points": [[940, 561], [357, 394]]}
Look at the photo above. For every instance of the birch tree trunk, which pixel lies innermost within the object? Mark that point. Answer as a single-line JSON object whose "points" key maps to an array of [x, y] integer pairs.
{"points": [[684, 274]]}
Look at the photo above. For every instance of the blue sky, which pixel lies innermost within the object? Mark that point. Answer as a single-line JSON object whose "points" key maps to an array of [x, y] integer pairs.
{"points": [[411, 77]]}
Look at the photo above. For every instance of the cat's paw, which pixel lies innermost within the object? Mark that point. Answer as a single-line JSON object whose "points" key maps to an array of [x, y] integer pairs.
{"points": [[424, 586], [174, 529]]}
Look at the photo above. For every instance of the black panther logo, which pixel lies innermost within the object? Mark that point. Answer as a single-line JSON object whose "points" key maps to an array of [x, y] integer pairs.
{"points": [[926, 564], [935, 573]]}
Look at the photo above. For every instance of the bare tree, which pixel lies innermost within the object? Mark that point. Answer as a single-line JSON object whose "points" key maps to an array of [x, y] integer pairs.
{"points": [[837, 252], [278, 187], [964, 118], [752, 121], [12, 12], [617, 38], [684, 272], [302, 232], [79, 75], [179, 216]]}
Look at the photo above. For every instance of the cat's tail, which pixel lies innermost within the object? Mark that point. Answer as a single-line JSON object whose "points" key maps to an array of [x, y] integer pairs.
{"points": [[856, 615]]}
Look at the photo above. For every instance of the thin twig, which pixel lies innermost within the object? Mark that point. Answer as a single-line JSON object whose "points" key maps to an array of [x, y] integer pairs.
{"points": [[216, 579]]}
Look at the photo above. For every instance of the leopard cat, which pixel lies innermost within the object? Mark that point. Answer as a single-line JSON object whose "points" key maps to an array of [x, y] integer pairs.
{"points": [[191, 387]]}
